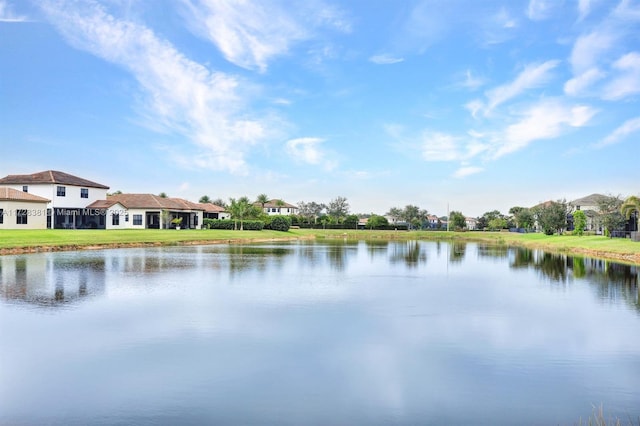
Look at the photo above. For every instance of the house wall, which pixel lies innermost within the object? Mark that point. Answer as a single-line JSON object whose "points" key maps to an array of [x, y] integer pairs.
{"points": [[280, 211], [72, 198], [36, 214], [121, 211]]}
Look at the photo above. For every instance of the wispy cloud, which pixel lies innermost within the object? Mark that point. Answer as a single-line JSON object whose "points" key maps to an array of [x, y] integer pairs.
{"points": [[584, 8], [251, 33], [439, 147], [385, 59], [533, 75], [626, 82], [8, 15], [540, 9], [547, 119], [471, 81], [309, 150], [179, 95], [465, 171], [580, 85], [588, 49], [627, 128]]}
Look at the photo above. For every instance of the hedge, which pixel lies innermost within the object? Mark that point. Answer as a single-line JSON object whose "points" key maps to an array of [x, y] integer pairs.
{"points": [[247, 225]]}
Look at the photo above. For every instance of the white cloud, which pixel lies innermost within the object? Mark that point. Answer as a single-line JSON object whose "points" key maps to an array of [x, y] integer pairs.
{"points": [[471, 81], [385, 59], [439, 147], [584, 7], [251, 33], [579, 85], [627, 128], [627, 81], [539, 9], [308, 150], [7, 14], [532, 76], [588, 50], [546, 120], [180, 95], [467, 171]]}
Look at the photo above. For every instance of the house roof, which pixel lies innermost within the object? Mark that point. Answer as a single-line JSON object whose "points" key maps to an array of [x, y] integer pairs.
{"points": [[274, 204], [50, 176], [589, 200], [210, 208], [10, 194], [146, 201]]}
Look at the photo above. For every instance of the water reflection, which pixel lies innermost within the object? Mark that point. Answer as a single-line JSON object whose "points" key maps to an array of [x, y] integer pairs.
{"points": [[50, 280], [329, 332]]}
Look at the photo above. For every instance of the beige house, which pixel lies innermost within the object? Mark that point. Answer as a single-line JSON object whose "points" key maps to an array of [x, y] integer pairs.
{"points": [[22, 210], [590, 205]]}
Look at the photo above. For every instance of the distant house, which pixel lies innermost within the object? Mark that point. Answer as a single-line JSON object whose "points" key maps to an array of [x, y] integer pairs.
{"points": [[21, 210], [471, 222], [590, 205], [434, 221], [147, 211], [68, 197], [277, 207]]}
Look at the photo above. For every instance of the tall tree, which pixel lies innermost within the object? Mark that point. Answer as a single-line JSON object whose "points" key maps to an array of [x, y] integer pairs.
{"points": [[413, 215], [240, 209], [551, 216], [458, 221], [631, 207], [204, 199], [310, 211], [220, 203], [579, 222], [609, 214], [262, 199], [395, 214], [162, 195], [338, 209], [522, 216]]}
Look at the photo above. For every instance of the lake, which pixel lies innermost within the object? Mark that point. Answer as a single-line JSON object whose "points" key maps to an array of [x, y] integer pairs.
{"points": [[328, 332]]}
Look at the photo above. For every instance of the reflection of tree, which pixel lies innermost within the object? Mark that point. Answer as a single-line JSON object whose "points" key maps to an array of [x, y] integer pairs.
{"points": [[255, 258], [492, 250], [458, 251], [611, 281], [408, 252], [377, 247]]}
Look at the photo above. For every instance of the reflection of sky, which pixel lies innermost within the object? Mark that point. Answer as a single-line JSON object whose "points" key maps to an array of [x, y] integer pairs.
{"points": [[315, 334]]}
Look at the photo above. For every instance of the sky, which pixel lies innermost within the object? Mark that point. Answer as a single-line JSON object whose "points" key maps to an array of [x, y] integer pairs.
{"points": [[471, 106]]}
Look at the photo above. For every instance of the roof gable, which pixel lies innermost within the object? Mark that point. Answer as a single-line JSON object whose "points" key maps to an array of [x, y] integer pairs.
{"points": [[10, 194], [50, 177]]}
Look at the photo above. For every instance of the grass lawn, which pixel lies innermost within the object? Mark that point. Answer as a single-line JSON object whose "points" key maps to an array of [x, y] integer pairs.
{"points": [[596, 246]]}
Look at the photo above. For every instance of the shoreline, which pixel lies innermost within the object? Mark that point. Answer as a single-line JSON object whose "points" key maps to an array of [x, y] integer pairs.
{"points": [[596, 247]]}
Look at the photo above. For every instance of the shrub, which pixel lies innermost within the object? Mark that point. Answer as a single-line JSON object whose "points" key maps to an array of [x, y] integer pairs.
{"points": [[280, 223]]}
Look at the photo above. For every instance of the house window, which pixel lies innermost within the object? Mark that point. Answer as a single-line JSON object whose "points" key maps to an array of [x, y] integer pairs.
{"points": [[1, 216], [21, 217], [25, 188], [137, 219], [195, 220], [126, 217], [61, 191], [84, 192], [115, 219]]}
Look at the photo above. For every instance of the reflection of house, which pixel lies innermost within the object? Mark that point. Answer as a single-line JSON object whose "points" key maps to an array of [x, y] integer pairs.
{"points": [[278, 207], [140, 211], [68, 197], [21, 210]]}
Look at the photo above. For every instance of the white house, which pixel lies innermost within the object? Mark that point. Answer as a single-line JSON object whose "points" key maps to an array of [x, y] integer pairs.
{"points": [[68, 197], [144, 211], [590, 205], [278, 207], [21, 210]]}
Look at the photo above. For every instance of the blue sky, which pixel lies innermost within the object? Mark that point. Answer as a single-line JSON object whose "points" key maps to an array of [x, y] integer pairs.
{"points": [[479, 105]]}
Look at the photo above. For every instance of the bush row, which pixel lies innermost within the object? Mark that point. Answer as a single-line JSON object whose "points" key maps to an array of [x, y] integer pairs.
{"points": [[247, 225]]}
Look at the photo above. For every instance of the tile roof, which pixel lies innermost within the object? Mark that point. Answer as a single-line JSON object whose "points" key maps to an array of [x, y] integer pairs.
{"points": [[147, 201], [50, 176], [589, 200], [210, 208], [274, 204], [10, 194]]}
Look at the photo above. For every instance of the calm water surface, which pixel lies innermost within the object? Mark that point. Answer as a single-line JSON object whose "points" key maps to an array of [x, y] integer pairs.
{"points": [[317, 333]]}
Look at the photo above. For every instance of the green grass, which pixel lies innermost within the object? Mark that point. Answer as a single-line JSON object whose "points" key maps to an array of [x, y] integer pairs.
{"points": [[596, 246]]}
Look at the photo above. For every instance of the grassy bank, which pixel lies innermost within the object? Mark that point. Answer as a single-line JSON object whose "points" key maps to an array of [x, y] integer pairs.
{"points": [[58, 239]]}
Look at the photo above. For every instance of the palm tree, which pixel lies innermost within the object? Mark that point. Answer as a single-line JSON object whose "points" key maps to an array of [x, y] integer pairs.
{"points": [[239, 209], [630, 206], [262, 199], [280, 204]]}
